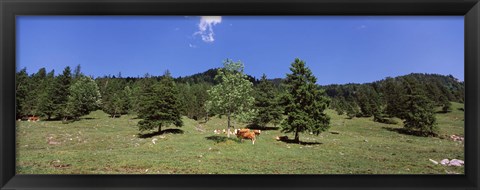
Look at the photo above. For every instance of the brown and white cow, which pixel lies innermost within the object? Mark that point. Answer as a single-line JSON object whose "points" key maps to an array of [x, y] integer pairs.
{"points": [[257, 132], [246, 134], [33, 118]]}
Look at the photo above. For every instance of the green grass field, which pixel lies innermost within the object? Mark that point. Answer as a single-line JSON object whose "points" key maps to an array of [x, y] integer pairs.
{"points": [[98, 144]]}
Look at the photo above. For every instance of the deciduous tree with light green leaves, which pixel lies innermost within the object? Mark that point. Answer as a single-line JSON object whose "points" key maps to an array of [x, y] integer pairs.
{"points": [[233, 95], [84, 97], [305, 103]]}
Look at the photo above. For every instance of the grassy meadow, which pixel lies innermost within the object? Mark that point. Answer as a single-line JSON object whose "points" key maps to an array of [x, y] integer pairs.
{"points": [[98, 144]]}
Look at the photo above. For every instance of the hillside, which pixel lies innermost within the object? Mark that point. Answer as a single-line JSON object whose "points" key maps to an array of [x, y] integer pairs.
{"points": [[99, 144]]}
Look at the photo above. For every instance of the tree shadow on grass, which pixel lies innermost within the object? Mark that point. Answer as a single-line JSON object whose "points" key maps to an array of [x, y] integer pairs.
{"points": [[156, 133], [405, 131], [264, 128], [220, 139], [292, 141], [87, 118]]}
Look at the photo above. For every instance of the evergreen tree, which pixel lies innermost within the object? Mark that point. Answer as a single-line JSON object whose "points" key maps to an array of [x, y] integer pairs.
{"points": [[22, 90], [46, 106], [187, 100], [77, 73], [232, 96], [446, 105], [265, 103], [393, 94], [84, 97], [61, 91], [305, 103], [419, 113], [200, 95], [114, 99], [368, 101], [159, 105], [352, 109], [35, 86], [126, 99]]}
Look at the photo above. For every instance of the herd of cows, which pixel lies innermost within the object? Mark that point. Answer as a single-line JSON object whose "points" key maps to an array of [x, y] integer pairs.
{"points": [[240, 133]]}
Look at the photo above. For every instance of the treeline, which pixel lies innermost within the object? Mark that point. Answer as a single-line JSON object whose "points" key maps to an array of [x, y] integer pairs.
{"points": [[66, 96], [69, 95], [387, 97]]}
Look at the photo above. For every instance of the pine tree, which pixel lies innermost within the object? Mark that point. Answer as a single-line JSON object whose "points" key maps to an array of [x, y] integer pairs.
{"points": [[305, 103], [159, 105], [114, 98], [265, 103], [77, 73], [126, 99], [352, 109], [232, 96], [393, 94], [419, 113], [35, 86], [368, 101], [61, 91], [200, 95], [187, 100], [46, 106], [22, 90], [446, 105]]}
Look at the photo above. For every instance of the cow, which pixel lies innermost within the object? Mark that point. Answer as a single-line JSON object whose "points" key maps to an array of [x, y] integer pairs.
{"points": [[237, 131], [33, 118], [281, 138], [216, 131], [257, 132], [245, 134]]}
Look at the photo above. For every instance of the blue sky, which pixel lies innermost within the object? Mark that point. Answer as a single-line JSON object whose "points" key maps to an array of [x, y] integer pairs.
{"points": [[338, 49]]}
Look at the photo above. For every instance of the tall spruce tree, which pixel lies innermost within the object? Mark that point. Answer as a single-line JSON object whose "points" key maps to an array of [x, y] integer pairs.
{"points": [[232, 96], [368, 100], [265, 103], [200, 95], [46, 106], [419, 113], [159, 104], [305, 103], [114, 98], [35, 87], [22, 90], [393, 94], [61, 91]]}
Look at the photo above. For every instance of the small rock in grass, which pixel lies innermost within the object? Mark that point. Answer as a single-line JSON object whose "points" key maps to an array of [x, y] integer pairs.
{"points": [[444, 162], [456, 162], [433, 161]]}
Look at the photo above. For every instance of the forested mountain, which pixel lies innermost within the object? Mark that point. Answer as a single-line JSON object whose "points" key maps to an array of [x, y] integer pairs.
{"points": [[207, 77], [387, 97]]}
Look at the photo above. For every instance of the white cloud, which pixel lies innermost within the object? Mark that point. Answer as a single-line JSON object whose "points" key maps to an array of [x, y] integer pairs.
{"points": [[205, 27], [192, 46], [361, 27]]}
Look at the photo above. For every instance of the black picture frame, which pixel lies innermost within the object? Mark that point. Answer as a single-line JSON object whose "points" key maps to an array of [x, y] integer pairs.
{"points": [[9, 9]]}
